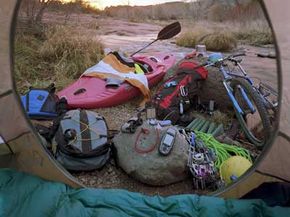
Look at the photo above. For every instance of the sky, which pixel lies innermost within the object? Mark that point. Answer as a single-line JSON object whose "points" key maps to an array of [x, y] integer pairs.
{"points": [[105, 3]]}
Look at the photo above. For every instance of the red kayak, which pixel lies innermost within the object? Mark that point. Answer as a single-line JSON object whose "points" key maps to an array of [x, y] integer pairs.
{"points": [[92, 92]]}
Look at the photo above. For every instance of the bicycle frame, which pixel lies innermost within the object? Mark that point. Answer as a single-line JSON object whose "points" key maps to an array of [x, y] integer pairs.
{"points": [[263, 90], [227, 78], [250, 100]]}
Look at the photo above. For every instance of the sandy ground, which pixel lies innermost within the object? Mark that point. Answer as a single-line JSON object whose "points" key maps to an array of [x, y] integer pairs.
{"points": [[129, 37]]}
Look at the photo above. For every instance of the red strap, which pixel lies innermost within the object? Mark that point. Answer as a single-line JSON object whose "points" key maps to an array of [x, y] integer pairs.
{"points": [[192, 65], [168, 99], [151, 147]]}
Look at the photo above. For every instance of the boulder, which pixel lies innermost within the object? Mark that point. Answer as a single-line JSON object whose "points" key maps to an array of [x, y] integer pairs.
{"points": [[138, 156], [212, 89]]}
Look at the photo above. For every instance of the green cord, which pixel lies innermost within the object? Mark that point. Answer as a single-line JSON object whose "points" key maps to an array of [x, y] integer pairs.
{"points": [[223, 151]]}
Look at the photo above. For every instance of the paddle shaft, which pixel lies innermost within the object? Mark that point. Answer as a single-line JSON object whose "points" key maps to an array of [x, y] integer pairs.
{"points": [[144, 47], [167, 32]]}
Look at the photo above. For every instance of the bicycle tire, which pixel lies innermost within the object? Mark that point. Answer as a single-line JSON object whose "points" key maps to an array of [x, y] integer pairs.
{"points": [[261, 109]]}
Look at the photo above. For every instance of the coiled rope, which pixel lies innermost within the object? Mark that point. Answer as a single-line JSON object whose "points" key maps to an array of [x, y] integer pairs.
{"points": [[223, 151]]}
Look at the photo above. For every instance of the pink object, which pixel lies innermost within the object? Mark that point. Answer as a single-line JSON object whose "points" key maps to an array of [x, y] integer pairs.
{"points": [[91, 92]]}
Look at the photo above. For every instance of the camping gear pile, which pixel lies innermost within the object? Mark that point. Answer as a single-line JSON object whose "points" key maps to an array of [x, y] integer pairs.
{"points": [[165, 147]]}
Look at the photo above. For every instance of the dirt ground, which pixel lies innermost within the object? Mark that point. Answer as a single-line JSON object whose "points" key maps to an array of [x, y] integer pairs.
{"points": [[129, 37]]}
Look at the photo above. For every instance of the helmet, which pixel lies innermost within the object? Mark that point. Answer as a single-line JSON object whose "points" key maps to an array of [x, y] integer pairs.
{"points": [[214, 57], [233, 168]]}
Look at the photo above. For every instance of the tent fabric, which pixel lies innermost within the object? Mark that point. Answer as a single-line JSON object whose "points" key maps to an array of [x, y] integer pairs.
{"points": [[12, 120], [274, 163], [36, 197], [272, 193], [5, 64], [277, 11], [32, 157]]}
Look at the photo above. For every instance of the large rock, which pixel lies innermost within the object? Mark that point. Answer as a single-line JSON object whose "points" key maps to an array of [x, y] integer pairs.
{"points": [[213, 89], [151, 168]]}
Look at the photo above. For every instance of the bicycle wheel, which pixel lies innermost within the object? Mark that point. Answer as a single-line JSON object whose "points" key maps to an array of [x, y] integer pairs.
{"points": [[257, 125]]}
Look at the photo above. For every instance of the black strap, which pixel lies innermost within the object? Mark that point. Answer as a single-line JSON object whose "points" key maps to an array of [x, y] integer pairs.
{"points": [[117, 55], [85, 133], [27, 101], [61, 106], [51, 88], [43, 131], [86, 152], [192, 72]]}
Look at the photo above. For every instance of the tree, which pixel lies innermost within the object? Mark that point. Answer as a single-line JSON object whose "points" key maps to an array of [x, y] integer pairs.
{"points": [[32, 10]]}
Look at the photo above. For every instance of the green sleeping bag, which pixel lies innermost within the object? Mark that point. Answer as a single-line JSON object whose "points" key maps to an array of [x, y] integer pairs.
{"points": [[23, 195]]}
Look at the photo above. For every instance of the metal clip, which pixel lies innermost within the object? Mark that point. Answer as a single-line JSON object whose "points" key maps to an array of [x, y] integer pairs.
{"points": [[183, 91]]}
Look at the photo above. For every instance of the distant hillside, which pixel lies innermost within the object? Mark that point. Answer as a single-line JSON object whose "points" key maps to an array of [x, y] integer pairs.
{"points": [[217, 10]]}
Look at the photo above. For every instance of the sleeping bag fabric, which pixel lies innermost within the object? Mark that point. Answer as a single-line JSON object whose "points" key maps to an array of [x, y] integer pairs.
{"points": [[24, 195]]}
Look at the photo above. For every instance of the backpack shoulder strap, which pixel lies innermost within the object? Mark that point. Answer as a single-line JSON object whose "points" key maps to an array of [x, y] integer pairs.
{"points": [[51, 88], [85, 133]]}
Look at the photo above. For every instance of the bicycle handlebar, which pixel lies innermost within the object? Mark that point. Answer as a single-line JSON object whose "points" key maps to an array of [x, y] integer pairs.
{"points": [[233, 56], [238, 55], [230, 58]]}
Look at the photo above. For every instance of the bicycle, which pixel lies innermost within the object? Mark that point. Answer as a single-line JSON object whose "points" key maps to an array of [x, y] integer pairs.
{"points": [[247, 99]]}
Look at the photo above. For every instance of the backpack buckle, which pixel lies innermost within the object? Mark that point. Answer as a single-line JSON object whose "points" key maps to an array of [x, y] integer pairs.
{"points": [[183, 91], [70, 134]]}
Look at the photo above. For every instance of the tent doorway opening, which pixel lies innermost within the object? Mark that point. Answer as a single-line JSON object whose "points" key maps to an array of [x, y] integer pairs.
{"points": [[34, 51]]}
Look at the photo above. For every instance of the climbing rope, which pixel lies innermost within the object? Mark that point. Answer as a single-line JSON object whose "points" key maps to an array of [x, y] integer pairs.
{"points": [[223, 151]]}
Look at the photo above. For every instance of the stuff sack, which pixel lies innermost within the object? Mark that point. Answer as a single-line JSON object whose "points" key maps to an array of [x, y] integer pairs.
{"points": [[81, 141], [41, 103], [179, 93]]}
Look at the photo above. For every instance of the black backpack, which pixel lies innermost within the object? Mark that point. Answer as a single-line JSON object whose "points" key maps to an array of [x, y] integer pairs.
{"points": [[179, 93], [81, 141]]}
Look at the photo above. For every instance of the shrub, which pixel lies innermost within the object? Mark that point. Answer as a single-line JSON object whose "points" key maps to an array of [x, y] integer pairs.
{"points": [[255, 33], [225, 36], [215, 41], [187, 39], [219, 41], [61, 57], [66, 46], [28, 68], [192, 38]]}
